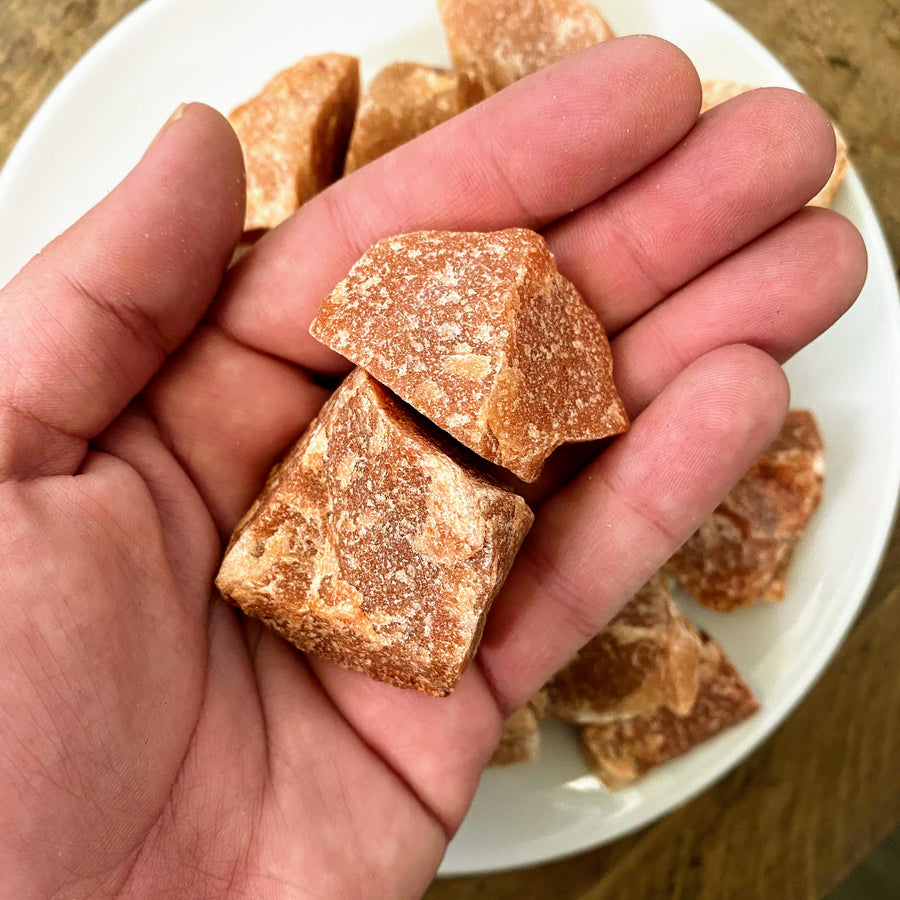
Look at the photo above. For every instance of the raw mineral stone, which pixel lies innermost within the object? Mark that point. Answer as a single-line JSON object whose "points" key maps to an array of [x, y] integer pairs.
{"points": [[371, 547], [498, 42], [648, 656], [740, 555], [294, 135], [480, 333], [520, 740], [623, 750], [401, 102]]}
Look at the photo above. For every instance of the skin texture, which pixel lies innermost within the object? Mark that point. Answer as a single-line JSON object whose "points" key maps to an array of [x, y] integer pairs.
{"points": [[154, 742]]}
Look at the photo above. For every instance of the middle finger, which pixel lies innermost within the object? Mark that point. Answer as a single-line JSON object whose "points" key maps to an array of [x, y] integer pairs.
{"points": [[747, 165]]}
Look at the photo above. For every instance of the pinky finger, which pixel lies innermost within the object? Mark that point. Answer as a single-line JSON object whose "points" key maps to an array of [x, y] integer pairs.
{"points": [[599, 539]]}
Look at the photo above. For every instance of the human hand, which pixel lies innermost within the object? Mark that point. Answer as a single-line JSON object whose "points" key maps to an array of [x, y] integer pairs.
{"points": [[155, 742]]}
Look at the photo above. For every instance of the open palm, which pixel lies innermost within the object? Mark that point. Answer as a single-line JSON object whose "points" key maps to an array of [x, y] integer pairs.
{"points": [[156, 743]]}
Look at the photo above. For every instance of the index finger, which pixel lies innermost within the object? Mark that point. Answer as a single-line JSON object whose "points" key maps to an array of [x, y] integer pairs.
{"points": [[527, 156]]}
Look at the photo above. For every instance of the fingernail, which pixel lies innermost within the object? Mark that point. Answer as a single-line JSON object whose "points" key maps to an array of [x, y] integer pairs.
{"points": [[179, 112]]}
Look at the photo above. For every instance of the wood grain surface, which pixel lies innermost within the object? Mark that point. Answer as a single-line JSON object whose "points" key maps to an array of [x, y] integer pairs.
{"points": [[793, 819]]}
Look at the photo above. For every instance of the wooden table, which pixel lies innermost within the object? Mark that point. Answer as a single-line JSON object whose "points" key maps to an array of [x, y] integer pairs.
{"points": [[825, 788]]}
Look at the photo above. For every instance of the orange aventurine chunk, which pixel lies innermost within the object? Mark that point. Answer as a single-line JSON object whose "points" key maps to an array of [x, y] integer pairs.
{"points": [[480, 333], [741, 553], [294, 135], [498, 42], [648, 656], [622, 750], [371, 547], [401, 102], [520, 740]]}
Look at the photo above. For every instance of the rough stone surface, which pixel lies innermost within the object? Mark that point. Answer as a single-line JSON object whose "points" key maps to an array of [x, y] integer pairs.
{"points": [[481, 334], [741, 553], [647, 657], [498, 42], [402, 101], [520, 740], [719, 90], [371, 547], [621, 751], [294, 135]]}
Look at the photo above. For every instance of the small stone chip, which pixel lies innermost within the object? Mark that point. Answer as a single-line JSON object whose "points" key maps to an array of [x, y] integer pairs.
{"points": [[480, 333], [373, 548], [648, 656], [520, 740], [498, 42], [401, 102], [294, 135], [741, 553], [621, 751], [719, 90]]}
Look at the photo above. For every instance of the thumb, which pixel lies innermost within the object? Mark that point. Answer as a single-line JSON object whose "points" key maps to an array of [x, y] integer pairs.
{"points": [[92, 317]]}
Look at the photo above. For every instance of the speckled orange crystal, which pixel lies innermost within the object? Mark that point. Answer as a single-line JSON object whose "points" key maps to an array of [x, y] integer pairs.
{"points": [[401, 102], [294, 135], [372, 547], [646, 657], [480, 333], [622, 750], [520, 739], [741, 553], [498, 42]]}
